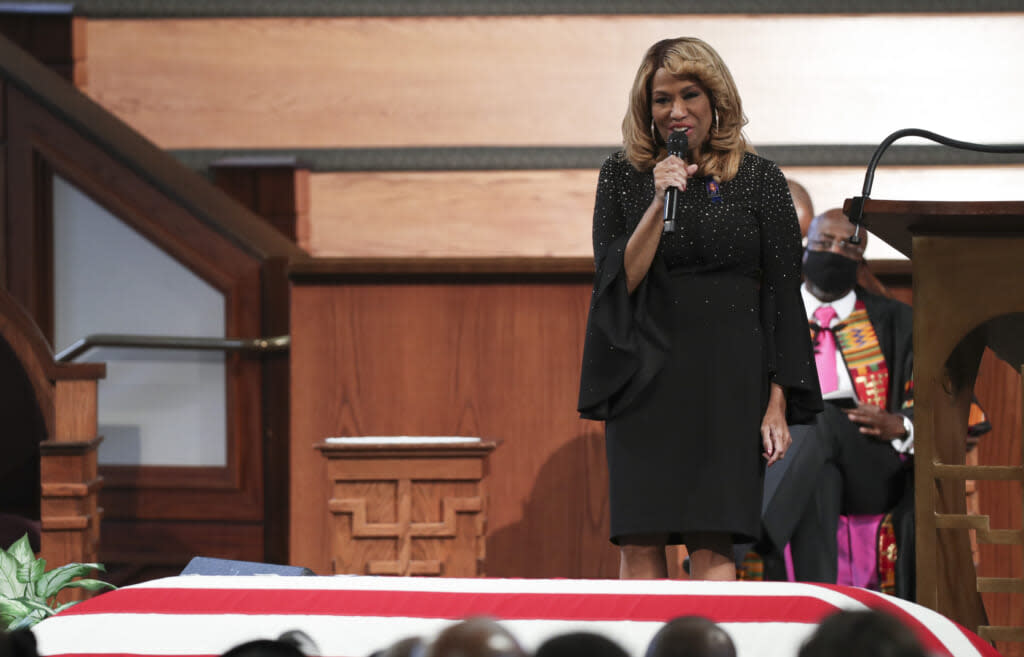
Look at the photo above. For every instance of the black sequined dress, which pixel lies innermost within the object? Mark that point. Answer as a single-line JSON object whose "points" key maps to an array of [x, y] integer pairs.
{"points": [[681, 369]]}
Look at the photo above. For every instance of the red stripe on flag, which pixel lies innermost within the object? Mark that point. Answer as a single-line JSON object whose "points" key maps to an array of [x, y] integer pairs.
{"points": [[455, 606], [981, 645], [927, 638]]}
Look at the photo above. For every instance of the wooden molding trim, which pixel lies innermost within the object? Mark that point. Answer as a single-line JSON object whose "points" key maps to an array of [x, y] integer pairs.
{"points": [[69, 448], [67, 523], [507, 158], [330, 8], [72, 489], [328, 270], [157, 477], [411, 451], [78, 371], [331, 270]]}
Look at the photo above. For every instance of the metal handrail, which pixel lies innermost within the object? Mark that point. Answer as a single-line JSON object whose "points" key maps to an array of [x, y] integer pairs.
{"points": [[262, 345]]}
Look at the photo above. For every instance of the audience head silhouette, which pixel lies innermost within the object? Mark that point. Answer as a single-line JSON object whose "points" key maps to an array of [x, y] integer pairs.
{"points": [[18, 643], [691, 636], [857, 633], [293, 643], [265, 648], [580, 644], [475, 637], [302, 641], [412, 646]]}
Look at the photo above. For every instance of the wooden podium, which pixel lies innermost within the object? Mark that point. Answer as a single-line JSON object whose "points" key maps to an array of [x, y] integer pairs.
{"points": [[407, 506], [968, 272]]}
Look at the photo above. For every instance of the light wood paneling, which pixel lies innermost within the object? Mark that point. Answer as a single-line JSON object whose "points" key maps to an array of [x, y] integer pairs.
{"points": [[371, 82], [452, 214], [536, 80], [549, 213]]}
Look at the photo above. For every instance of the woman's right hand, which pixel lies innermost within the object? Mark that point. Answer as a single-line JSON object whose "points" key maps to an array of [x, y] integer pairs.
{"points": [[673, 171], [642, 244]]}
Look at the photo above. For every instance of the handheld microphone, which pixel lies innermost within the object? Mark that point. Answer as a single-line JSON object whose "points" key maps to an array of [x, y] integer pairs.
{"points": [[678, 144]]}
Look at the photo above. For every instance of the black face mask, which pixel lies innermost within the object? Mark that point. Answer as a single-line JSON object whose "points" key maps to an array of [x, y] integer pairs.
{"points": [[830, 272]]}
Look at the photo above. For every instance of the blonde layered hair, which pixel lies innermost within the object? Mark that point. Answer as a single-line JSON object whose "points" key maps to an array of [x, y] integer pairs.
{"points": [[687, 57]]}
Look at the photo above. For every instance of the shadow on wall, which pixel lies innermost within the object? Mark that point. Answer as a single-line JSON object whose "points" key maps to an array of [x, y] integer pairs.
{"points": [[564, 526]]}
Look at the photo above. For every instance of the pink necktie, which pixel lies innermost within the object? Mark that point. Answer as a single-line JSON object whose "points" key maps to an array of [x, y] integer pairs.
{"points": [[825, 350]]}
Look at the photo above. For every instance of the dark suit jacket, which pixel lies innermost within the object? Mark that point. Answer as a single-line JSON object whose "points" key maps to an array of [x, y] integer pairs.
{"points": [[893, 324]]}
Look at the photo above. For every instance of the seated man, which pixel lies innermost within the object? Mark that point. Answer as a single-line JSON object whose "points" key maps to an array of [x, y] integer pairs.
{"points": [[855, 458]]}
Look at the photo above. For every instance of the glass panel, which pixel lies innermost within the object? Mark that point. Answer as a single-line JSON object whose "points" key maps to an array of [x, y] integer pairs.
{"points": [[156, 407]]}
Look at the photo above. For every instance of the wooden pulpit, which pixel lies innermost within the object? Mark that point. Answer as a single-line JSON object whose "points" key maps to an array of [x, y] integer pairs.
{"points": [[968, 272], [406, 505]]}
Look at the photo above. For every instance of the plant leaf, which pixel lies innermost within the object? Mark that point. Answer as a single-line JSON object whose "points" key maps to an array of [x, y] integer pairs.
{"points": [[37, 605], [10, 587], [12, 610], [21, 550], [65, 606], [31, 572], [57, 579], [25, 622], [90, 585]]}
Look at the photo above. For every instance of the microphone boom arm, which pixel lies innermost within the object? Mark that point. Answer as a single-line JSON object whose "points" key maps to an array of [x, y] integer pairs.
{"points": [[857, 202]]}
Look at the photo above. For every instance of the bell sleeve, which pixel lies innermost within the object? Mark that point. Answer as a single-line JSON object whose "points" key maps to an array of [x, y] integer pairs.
{"points": [[789, 353], [627, 337]]}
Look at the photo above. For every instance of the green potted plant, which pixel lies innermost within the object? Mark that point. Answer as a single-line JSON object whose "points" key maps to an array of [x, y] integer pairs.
{"points": [[28, 592]]}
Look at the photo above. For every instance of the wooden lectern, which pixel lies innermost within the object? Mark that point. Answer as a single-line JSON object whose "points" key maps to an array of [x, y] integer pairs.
{"points": [[406, 505], [968, 269]]}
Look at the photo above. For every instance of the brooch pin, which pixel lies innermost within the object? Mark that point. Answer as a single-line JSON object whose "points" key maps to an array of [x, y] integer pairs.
{"points": [[714, 190]]}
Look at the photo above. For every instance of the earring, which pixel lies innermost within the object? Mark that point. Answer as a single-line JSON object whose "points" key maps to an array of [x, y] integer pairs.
{"points": [[714, 111], [654, 132]]}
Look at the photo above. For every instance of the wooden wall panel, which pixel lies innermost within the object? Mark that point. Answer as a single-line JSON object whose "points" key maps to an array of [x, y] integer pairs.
{"points": [[549, 212], [277, 192], [363, 81], [998, 389], [494, 359], [163, 548], [452, 213], [531, 80]]}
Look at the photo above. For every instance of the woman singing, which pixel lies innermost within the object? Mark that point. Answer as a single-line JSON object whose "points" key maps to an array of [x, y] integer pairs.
{"points": [[697, 352]]}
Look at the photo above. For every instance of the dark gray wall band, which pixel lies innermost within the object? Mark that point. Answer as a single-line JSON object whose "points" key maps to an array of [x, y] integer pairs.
{"points": [[589, 157], [307, 8]]}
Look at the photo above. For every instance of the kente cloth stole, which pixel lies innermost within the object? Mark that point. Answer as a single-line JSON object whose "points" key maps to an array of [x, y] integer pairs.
{"points": [[857, 342]]}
